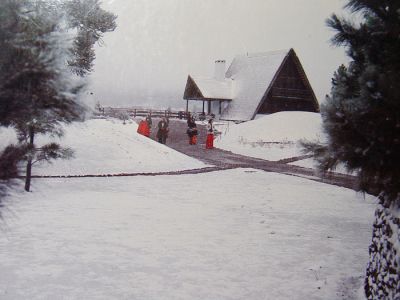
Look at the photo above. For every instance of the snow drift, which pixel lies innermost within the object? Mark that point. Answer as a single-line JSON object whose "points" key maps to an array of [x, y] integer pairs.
{"points": [[272, 137]]}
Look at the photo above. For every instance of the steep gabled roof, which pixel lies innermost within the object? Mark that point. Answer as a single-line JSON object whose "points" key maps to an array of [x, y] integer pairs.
{"points": [[252, 74], [247, 83]]}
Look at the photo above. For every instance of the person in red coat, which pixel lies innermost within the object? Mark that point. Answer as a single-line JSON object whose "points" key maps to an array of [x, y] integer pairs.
{"points": [[210, 135], [144, 128], [192, 131]]}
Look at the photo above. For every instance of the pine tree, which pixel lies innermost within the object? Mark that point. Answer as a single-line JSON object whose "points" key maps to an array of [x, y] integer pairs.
{"points": [[362, 114], [38, 89], [91, 22], [42, 91], [361, 117]]}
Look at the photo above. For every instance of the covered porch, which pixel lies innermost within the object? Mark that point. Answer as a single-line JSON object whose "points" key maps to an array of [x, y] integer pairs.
{"points": [[214, 95], [209, 106]]}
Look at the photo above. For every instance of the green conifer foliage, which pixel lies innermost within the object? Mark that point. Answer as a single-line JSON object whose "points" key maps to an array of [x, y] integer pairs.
{"points": [[361, 117], [44, 45], [362, 114]]}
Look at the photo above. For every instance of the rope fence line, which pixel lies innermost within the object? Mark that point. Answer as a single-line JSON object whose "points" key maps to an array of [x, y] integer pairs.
{"points": [[181, 172]]}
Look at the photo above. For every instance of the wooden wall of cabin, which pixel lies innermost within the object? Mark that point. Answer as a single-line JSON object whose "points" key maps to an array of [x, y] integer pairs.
{"points": [[191, 90], [288, 93]]}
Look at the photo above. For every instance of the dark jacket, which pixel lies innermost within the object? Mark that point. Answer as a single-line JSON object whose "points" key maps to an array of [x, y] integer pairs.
{"points": [[162, 129], [192, 128]]}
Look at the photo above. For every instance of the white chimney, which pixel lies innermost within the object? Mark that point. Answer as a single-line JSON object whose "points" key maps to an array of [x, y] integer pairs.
{"points": [[219, 72]]}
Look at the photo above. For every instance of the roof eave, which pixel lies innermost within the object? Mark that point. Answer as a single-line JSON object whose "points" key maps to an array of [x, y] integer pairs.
{"points": [[209, 99]]}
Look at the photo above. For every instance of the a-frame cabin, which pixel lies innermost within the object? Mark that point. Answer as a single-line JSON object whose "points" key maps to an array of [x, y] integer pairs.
{"points": [[261, 83], [289, 90]]}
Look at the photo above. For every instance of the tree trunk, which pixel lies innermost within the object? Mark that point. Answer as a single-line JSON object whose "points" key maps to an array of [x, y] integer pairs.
{"points": [[29, 163], [383, 270]]}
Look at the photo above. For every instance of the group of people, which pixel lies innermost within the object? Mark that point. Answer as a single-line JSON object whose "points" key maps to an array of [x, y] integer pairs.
{"points": [[144, 128], [192, 132]]}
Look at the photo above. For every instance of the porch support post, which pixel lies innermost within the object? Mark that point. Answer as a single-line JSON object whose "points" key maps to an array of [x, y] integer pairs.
{"points": [[209, 107], [203, 106], [187, 105], [220, 107]]}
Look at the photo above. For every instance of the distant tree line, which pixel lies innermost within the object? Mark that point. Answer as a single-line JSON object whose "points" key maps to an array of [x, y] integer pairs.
{"points": [[46, 50]]}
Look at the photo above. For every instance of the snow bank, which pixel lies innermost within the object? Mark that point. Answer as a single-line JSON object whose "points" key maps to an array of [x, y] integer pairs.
{"points": [[106, 146], [272, 137]]}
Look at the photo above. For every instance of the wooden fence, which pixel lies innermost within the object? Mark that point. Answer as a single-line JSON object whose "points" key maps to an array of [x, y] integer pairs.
{"points": [[157, 113], [125, 113]]}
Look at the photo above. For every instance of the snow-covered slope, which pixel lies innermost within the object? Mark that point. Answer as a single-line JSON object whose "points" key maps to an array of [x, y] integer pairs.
{"points": [[271, 137], [106, 146]]}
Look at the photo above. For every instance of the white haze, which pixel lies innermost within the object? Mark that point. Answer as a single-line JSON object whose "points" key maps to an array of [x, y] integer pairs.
{"points": [[147, 59]]}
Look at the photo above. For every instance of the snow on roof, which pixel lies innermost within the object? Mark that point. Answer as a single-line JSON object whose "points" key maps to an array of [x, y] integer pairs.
{"points": [[214, 89], [252, 74]]}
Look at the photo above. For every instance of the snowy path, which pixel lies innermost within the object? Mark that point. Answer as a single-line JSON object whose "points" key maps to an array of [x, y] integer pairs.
{"points": [[222, 159], [122, 161], [233, 234]]}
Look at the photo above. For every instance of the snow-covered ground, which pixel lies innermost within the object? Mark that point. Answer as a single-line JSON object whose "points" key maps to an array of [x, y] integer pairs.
{"points": [[274, 137], [234, 234], [237, 234], [106, 146], [271, 137]]}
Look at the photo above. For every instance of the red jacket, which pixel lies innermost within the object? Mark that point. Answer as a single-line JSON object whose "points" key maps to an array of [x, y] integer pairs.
{"points": [[143, 128]]}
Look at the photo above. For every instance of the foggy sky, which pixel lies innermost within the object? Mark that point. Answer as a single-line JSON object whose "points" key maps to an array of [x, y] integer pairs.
{"points": [[147, 59]]}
